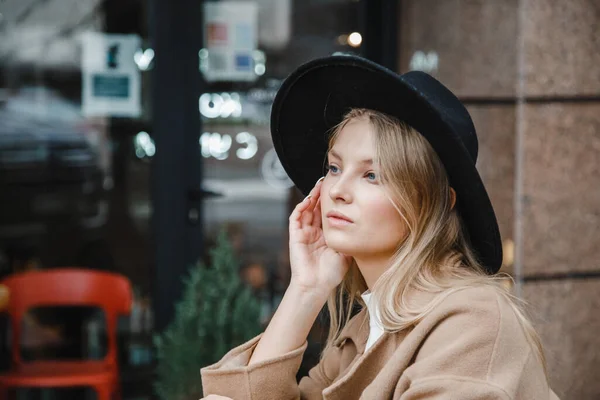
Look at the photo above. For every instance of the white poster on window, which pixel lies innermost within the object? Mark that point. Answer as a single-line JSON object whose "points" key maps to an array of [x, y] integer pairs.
{"points": [[230, 38], [111, 84]]}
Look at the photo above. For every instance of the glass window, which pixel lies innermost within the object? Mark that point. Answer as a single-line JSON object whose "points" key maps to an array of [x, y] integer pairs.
{"points": [[253, 196], [73, 190], [76, 147]]}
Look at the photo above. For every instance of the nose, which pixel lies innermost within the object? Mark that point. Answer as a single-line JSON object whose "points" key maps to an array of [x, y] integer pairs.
{"points": [[340, 190]]}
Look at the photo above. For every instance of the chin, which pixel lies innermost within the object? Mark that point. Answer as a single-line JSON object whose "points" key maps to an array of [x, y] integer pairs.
{"points": [[340, 243]]}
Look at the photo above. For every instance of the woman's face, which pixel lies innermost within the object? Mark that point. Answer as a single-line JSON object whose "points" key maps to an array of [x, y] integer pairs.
{"points": [[358, 218]]}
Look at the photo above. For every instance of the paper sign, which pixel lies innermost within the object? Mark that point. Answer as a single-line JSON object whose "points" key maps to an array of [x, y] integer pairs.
{"points": [[111, 79], [230, 36]]}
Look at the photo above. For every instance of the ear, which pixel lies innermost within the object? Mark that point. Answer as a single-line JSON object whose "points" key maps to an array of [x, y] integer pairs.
{"points": [[452, 198]]}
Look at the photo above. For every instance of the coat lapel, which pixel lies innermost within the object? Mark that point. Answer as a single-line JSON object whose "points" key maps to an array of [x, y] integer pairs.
{"points": [[356, 330], [364, 371], [366, 367]]}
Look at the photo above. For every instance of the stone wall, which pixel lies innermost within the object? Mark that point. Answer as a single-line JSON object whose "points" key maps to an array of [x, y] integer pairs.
{"points": [[529, 72]]}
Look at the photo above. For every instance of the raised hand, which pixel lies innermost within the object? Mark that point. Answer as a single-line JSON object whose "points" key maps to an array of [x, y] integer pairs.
{"points": [[315, 267]]}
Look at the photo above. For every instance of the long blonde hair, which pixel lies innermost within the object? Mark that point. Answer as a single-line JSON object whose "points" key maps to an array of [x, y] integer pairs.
{"points": [[436, 256]]}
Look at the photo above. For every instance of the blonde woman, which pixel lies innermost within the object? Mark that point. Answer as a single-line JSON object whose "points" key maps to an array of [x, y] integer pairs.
{"points": [[401, 224]]}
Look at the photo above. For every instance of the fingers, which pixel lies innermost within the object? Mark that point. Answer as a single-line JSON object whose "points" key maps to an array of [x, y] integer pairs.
{"points": [[317, 213], [306, 217], [309, 213], [303, 212], [297, 213]]}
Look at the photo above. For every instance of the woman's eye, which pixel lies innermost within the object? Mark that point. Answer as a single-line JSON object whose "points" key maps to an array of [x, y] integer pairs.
{"points": [[371, 176], [332, 168]]}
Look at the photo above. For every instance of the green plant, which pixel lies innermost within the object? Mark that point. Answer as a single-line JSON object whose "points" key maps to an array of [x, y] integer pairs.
{"points": [[216, 313]]}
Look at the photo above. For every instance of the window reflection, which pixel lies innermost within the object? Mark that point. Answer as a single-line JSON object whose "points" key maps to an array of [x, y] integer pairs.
{"points": [[75, 189]]}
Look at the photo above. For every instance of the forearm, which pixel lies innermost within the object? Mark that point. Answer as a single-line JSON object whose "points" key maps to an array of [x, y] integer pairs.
{"points": [[290, 325]]}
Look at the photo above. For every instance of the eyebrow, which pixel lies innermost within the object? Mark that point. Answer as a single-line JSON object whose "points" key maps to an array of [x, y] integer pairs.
{"points": [[336, 155]]}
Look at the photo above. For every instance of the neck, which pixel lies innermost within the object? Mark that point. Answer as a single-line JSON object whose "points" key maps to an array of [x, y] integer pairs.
{"points": [[371, 268]]}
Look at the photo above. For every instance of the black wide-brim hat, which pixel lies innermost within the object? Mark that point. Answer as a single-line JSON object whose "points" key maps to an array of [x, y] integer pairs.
{"points": [[316, 96]]}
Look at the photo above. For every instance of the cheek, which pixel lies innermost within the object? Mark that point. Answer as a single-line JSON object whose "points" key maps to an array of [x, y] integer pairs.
{"points": [[383, 216]]}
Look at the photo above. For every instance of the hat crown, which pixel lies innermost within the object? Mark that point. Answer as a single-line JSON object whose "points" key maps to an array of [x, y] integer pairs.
{"points": [[448, 106]]}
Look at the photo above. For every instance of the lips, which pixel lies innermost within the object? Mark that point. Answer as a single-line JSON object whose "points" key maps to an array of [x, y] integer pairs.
{"points": [[338, 216]]}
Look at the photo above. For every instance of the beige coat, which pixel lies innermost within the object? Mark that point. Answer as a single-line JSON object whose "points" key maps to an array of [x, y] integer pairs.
{"points": [[471, 347]]}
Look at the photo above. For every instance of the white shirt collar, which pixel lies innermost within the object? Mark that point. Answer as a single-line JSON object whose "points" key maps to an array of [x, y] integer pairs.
{"points": [[374, 316], [375, 327]]}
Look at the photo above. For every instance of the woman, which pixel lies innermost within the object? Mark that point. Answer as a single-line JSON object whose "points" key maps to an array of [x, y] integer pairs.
{"points": [[401, 223]]}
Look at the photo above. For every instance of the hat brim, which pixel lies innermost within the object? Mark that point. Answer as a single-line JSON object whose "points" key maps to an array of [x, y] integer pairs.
{"points": [[314, 99]]}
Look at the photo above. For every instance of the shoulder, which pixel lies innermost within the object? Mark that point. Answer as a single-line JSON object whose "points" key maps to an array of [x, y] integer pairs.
{"points": [[483, 310], [482, 296], [481, 301], [473, 332], [466, 313]]}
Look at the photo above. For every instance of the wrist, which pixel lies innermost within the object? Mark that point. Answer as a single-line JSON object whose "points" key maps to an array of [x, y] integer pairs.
{"points": [[306, 295]]}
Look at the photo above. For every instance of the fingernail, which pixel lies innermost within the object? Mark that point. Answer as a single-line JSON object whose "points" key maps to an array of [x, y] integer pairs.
{"points": [[320, 179], [307, 197]]}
